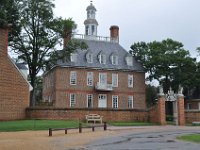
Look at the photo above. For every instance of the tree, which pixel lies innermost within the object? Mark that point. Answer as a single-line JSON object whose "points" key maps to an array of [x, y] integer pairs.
{"points": [[9, 14], [40, 33], [166, 61]]}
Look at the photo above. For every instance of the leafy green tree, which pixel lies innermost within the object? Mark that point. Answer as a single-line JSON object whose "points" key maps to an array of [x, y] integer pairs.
{"points": [[9, 14], [166, 61], [39, 36], [151, 95]]}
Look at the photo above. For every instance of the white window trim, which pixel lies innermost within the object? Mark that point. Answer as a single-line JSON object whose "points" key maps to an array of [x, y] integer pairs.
{"points": [[114, 61], [114, 75], [71, 100], [89, 57], [115, 96], [91, 100], [130, 77], [100, 81], [102, 58], [130, 97], [188, 106], [73, 57], [129, 60], [90, 76], [73, 78]]}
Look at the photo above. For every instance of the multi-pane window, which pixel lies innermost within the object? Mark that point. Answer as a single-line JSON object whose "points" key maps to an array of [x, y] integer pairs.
{"points": [[73, 78], [130, 80], [102, 58], [114, 59], [115, 80], [72, 100], [115, 101], [73, 57], [130, 101], [188, 106], [89, 58], [102, 78], [89, 100], [90, 78], [129, 60]]}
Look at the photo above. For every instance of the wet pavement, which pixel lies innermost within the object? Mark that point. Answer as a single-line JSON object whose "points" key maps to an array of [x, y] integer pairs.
{"points": [[147, 138]]}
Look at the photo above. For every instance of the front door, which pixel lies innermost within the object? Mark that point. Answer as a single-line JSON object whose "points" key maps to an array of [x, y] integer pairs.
{"points": [[102, 101]]}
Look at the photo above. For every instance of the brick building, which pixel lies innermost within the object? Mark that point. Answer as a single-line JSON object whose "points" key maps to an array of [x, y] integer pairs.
{"points": [[103, 76], [14, 88]]}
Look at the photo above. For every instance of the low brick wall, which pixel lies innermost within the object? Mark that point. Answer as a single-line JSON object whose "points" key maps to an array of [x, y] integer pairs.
{"points": [[192, 115], [79, 114]]}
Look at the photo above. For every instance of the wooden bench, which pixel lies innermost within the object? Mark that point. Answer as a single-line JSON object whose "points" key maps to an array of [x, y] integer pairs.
{"points": [[94, 118]]}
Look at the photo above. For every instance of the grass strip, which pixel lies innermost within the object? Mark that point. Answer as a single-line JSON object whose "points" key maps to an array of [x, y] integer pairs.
{"points": [[191, 138]]}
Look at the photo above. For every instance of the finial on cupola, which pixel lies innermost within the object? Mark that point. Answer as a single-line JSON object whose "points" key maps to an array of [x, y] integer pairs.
{"points": [[91, 2]]}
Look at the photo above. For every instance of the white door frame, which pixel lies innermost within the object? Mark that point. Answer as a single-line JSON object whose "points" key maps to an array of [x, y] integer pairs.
{"points": [[102, 101]]}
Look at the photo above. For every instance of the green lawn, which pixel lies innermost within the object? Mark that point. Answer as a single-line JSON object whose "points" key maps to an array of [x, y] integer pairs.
{"points": [[131, 123], [23, 125], [191, 137]]}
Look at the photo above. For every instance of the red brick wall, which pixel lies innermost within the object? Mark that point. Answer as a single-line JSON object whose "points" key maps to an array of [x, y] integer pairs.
{"points": [[61, 88], [194, 104], [14, 90], [79, 114], [192, 115]]}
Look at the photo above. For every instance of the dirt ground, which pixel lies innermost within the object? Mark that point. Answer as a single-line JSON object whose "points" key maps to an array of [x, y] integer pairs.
{"points": [[39, 140]]}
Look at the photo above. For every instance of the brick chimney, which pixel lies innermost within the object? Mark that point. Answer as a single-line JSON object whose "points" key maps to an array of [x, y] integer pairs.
{"points": [[114, 33], [66, 38], [4, 39]]}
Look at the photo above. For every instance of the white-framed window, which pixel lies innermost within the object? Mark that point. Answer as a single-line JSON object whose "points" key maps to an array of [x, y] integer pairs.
{"points": [[103, 78], [114, 59], [130, 80], [129, 60], [102, 58], [90, 78], [73, 57], [89, 57], [72, 100], [89, 100], [188, 106], [130, 101], [114, 101], [73, 78], [115, 80]]}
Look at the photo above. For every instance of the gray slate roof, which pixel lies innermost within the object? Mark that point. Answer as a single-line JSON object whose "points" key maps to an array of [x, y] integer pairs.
{"points": [[21, 66], [108, 48]]}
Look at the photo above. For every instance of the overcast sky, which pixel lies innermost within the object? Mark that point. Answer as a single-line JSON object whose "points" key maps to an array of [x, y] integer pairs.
{"points": [[140, 20]]}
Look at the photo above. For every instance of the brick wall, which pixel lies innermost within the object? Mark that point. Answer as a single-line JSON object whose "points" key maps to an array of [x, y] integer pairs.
{"points": [[60, 88], [14, 90], [192, 115], [79, 114]]}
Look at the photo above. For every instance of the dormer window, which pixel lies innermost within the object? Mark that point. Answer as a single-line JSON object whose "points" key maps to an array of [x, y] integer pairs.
{"points": [[114, 59], [89, 57], [73, 57], [102, 58], [129, 60]]}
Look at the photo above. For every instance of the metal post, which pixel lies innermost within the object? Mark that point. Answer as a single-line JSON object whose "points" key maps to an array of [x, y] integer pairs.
{"points": [[105, 126], [65, 131], [50, 131], [80, 128]]}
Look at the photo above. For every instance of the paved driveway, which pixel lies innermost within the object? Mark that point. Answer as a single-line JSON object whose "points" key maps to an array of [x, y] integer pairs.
{"points": [[147, 138]]}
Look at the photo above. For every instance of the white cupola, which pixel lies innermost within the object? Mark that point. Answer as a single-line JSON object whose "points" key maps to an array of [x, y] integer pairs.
{"points": [[91, 23]]}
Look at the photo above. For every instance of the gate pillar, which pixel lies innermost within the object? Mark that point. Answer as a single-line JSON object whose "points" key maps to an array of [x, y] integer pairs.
{"points": [[161, 110], [181, 112]]}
